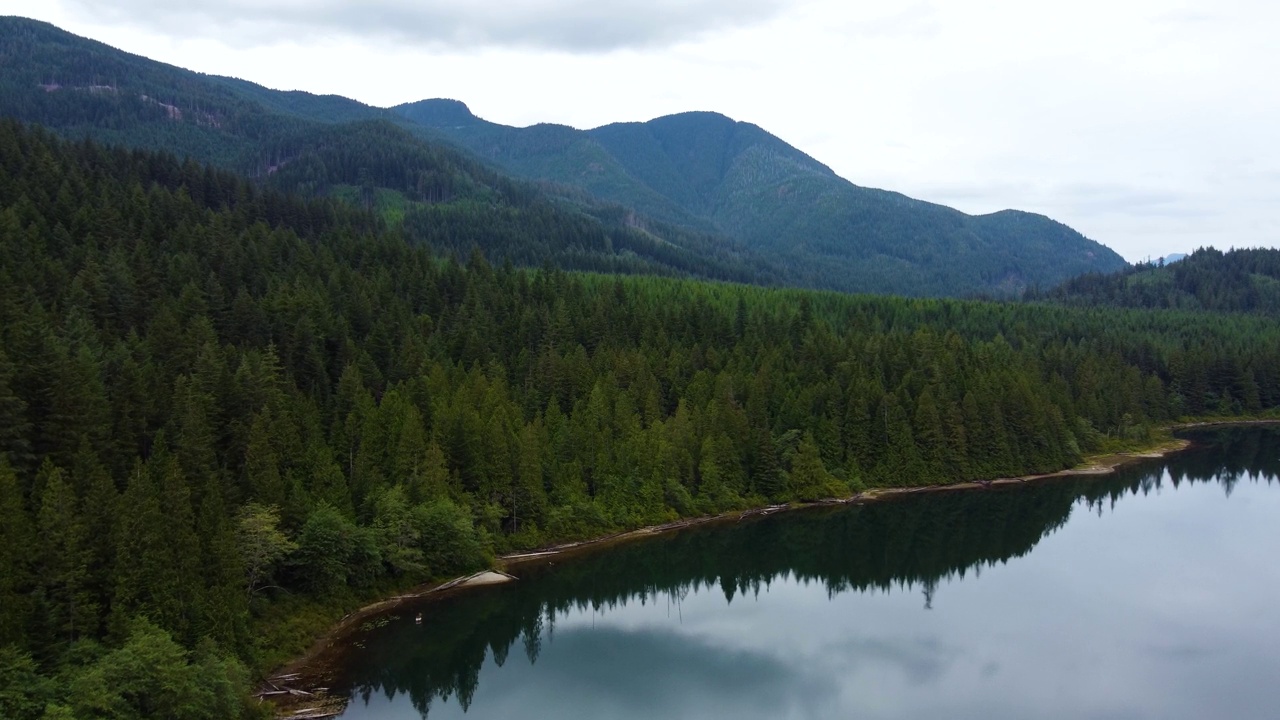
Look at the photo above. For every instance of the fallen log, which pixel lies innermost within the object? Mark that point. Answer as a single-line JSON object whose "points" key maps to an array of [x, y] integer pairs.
{"points": [[270, 693], [314, 714]]}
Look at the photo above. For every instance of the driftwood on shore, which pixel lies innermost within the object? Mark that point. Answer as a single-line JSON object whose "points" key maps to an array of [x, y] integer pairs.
{"points": [[277, 690], [315, 713]]}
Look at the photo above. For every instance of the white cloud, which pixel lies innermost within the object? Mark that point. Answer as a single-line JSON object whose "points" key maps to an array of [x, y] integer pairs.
{"points": [[579, 26]]}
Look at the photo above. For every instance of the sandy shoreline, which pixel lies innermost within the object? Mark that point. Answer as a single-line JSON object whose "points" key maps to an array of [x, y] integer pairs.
{"points": [[310, 670]]}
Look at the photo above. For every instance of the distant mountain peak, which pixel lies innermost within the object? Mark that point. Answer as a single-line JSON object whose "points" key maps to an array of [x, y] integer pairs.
{"points": [[439, 112], [740, 201], [700, 115], [705, 169]]}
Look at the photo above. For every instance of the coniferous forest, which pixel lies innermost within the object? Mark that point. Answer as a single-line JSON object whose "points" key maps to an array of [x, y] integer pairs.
{"points": [[223, 407], [1243, 280], [691, 195]]}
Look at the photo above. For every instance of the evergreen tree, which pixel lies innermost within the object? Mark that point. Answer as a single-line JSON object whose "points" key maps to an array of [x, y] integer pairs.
{"points": [[809, 478], [17, 552], [14, 428], [68, 610]]}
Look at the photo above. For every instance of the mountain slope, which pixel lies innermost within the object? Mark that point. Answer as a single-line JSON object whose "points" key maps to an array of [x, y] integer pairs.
{"points": [[334, 146], [775, 199], [228, 415], [79, 86], [550, 152], [1208, 279], [696, 193]]}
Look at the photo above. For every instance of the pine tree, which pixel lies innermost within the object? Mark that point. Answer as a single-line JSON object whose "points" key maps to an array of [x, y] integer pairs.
{"points": [[223, 613], [766, 476], [100, 511], [529, 497], [63, 560], [17, 552], [930, 437], [809, 478], [15, 429], [263, 480]]}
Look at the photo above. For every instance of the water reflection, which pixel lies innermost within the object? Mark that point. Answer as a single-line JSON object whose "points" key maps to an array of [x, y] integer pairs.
{"points": [[1127, 608]]}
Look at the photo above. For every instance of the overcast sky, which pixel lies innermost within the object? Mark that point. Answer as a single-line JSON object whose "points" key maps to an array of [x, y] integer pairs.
{"points": [[1152, 126]]}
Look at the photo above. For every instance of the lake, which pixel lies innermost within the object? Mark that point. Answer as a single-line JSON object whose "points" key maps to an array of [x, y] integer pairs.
{"points": [[1149, 593]]}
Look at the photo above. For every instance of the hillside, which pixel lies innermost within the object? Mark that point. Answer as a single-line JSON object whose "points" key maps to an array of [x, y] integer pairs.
{"points": [[1208, 279], [228, 414], [738, 179], [549, 152], [333, 146], [694, 194]]}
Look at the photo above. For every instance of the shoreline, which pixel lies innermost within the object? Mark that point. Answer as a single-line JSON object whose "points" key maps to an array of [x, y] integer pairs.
{"points": [[310, 669], [1096, 465]]}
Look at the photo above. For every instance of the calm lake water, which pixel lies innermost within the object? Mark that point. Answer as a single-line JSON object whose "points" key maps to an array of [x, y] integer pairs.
{"points": [[1151, 593]]}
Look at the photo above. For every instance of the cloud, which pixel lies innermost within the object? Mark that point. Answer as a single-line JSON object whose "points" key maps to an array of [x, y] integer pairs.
{"points": [[921, 660], [574, 26], [1104, 198], [648, 673]]}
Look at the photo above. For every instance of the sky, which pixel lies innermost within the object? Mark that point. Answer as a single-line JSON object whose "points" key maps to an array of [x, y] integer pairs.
{"points": [[1152, 126]]}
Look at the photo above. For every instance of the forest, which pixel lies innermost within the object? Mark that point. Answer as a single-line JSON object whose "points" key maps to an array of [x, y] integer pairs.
{"points": [[912, 547], [228, 414], [691, 195], [334, 147], [1241, 280]]}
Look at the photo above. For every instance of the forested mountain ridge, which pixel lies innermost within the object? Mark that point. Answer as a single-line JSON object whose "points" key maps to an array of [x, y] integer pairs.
{"points": [[333, 146], [217, 399], [693, 194], [1245, 280], [545, 151], [79, 86], [737, 178]]}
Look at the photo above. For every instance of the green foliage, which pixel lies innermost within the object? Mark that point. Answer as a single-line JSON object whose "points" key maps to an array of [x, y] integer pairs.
{"points": [[398, 528], [262, 544], [23, 691], [693, 194], [327, 544], [706, 172], [1246, 280], [152, 676], [448, 540], [809, 479], [17, 550], [280, 405], [335, 147], [891, 547], [148, 676]]}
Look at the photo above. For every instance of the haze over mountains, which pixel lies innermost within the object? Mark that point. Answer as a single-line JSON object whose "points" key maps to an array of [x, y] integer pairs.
{"points": [[694, 194]]}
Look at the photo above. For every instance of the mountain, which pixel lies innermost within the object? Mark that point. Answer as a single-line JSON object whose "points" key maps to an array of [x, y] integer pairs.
{"points": [[1208, 279], [705, 170], [229, 415], [1173, 258], [549, 152], [695, 194], [334, 146], [79, 86]]}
